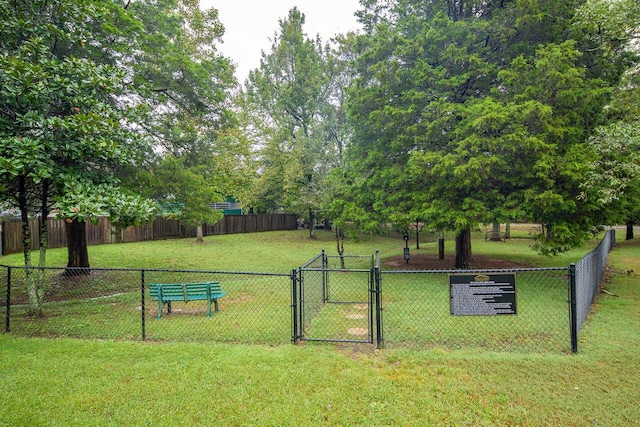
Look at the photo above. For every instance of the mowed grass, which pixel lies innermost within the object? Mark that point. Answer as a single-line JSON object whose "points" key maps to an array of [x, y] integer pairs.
{"points": [[107, 304], [95, 383]]}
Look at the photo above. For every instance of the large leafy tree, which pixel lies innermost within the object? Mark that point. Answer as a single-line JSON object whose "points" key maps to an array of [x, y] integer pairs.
{"points": [[614, 176], [58, 124], [177, 72], [287, 98], [469, 112], [75, 77]]}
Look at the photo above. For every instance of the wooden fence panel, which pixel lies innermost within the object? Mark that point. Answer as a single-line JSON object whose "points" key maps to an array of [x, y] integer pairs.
{"points": [[104, 233], [100, 233], [166, 228], [56, 233], [12, 236]]}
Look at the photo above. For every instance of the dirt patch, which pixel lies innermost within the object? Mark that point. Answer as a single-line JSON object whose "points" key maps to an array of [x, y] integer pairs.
{"points": [[357, 331], [355, 316], [422, 261]]}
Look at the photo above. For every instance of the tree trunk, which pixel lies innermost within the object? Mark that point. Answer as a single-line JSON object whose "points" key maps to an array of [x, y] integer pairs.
{"points": [[441, 245], [495, 232], [630, 230], [463, 249], [340, 246], [35, 305], [312, 225], [199, 238], [507, 231], [418, 230], [41, 287], [78, 255]]}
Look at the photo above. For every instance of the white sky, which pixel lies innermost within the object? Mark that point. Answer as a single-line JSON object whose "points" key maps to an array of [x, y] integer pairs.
{"points": [[250, 24]]}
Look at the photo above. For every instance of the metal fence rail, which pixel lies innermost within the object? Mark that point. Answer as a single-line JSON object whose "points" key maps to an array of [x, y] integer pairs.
{"points": [[116, 304], [417, 312], [588, 276], [346, 299]]}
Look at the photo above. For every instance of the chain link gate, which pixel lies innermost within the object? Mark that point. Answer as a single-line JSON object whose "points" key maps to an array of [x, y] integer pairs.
{"points": [[335, 299]]}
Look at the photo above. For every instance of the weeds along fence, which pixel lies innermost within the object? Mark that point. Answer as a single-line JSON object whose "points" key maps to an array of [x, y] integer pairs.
{"points": [[103, 232], [334, 299]]}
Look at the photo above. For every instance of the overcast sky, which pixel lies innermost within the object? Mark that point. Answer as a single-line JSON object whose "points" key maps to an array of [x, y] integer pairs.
{"points": [[249, 24]]}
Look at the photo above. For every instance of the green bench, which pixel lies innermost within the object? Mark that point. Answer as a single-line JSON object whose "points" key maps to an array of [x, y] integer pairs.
{"points": [[165, 293]]}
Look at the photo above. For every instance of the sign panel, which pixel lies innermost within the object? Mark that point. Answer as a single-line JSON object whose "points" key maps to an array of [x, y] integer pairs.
{"points": [[482, 294]]}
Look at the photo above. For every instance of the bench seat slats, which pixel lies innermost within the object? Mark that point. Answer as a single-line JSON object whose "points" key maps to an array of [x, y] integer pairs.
{"points": [[165, 293]]}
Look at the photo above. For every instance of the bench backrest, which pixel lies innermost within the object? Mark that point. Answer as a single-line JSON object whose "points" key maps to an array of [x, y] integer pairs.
{"points": [[183, 290]]}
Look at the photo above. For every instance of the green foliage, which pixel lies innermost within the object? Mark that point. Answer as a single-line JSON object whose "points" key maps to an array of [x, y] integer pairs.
{"points": [[59, 122], [84, 202], [177, 72], [295, 120], [188, 189], [468, 112], [618, 165]]}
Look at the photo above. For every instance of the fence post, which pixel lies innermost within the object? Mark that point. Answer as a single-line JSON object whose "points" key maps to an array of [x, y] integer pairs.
{"points": [[295, 338], [573, 311], [142, 301], [325, 278], [7, 327], [377, 277]]}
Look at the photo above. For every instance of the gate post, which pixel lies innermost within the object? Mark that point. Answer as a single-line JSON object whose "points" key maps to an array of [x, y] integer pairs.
{"points": [[377, 278], [295, 338], [325, 278], [573, 311]]}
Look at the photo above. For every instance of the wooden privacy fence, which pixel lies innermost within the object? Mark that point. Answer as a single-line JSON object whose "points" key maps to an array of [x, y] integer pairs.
{"points": [[104, 233]]}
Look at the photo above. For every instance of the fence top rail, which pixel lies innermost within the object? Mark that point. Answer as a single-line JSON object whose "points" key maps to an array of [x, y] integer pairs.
{"points": [[339, 270], [160, 270], [312, 260], [349, 256], [475, 271]]}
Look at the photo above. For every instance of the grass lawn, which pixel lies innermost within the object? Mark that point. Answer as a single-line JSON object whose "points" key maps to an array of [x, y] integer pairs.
{"points": [[101, 382]]}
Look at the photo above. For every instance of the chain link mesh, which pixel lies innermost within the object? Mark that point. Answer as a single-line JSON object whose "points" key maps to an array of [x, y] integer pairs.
{"points": [[109, 304], [337, 300], [589, 272], [345, 311], [417, 313]]}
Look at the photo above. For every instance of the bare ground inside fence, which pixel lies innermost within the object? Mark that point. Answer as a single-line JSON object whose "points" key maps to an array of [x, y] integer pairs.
{"points": [[432, 262]]}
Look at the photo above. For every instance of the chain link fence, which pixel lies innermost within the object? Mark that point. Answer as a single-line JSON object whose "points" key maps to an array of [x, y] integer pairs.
{"points": [[343, 299], [587, 275], [334, 299], [117, 304], [417, 312]]}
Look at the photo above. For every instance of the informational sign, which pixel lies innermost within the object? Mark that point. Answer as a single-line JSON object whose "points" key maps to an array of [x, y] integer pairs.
{"points": [[482, 294]]}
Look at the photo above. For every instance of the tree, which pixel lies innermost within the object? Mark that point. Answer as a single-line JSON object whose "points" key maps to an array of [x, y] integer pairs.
{"points": [[287, 96], [57, 124], [83, 202], [612, 178], [186, 192], [177, 72], [470, 112]]}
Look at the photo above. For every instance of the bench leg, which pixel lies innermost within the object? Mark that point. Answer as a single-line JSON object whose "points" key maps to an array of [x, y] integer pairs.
{"points": [[168, 307], [215, 302], [160, 306], [208, 307]]}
